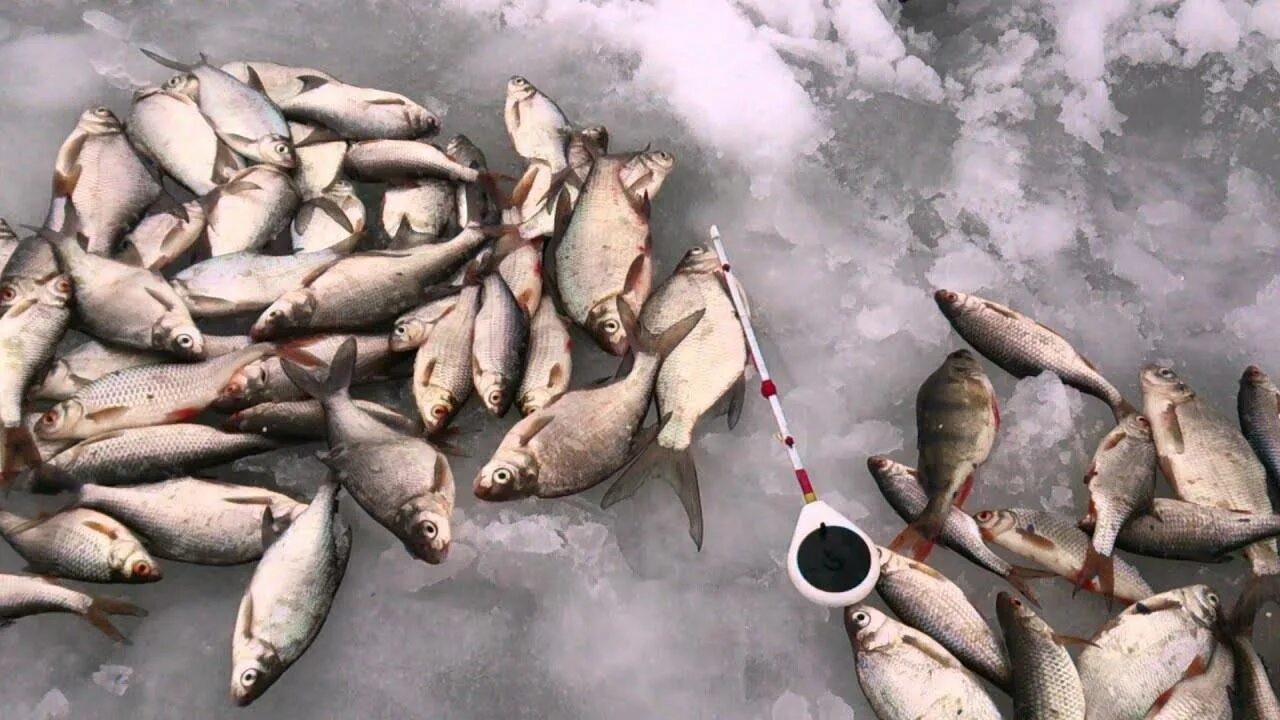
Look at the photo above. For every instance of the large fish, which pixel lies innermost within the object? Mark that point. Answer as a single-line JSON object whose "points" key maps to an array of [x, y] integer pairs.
{"points": [[1205, 694], [1023, 347], [100, 178], [358, 113], [245, 281], [167, 126], [77, 368], [305, 419], [29, 333], [414, 327], [419, 213], [405, 160], [22, 596], [334, 219], [79, 544], [1046, 684], [265, 380], [474, 203], [957, 417], [1179, 530], [499, 345], [1122, 483], [538, 128], [240, 112], [550, 363], [163, 237], [249, 210], [401, 481], [279, 82], [289, 597], [197, 521], [907, 675], [1258, 406], [705, 367], [442, 377]]}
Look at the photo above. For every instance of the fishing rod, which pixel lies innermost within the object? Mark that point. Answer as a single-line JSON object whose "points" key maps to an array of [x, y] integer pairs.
{"points": [[831, 561]]}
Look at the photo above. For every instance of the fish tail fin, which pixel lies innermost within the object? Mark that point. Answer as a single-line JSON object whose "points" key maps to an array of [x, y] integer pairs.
{"points": [[1103, 567], [1018, 577], [341, 370], [100, 612], [674, 467], [167, 62], [914, 541], [1123, 409], [1258, 590], [965, 490]]}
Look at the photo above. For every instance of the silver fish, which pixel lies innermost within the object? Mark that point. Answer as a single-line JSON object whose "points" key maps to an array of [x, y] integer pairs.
{"points": [[75, 369], [305, 419], [419, 213], [401, 160], [550, 363], [266, 381], [1178, 530], [29, 268], [414, 327], [196, 521], [498, 347], [319, 166], [335, 219], [522, 271], [29, 333], [245, 281], [8, 243], [1258, 407], [1122, 483], [163, 237], [289, 597], [249, 210], [1204, 694], [79, 544], [167, 126], [442, 377], [906, 675], [279, 82], [401, 481], [538, 128], [240, 112], [1046, 685], [359, 113], [474, 204], [647, 171], [22, 596], [1257, 697]]}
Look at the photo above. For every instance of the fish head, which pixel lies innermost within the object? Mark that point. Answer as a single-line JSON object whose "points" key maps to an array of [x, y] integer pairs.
{"points": [[520, 89], [994, 523], [892, 563], [954, 304], [99, 121], [425, 527], [1255, 377], [1135, 426], [57, 381], [596, 137], [422, 122], [277, 150], [244, 386], [511, 474], [1202, 603], [465, 152], [130, 562], [964, 364], [606, 328], [868, 628], [60, 421], [1161, 381], [534, 400], [438, 404], [291, 310], [1012, 611], [184, 83], [57, 291], [408, 333], [699, 260], [178, 335], [255, 666], [496, 392]]}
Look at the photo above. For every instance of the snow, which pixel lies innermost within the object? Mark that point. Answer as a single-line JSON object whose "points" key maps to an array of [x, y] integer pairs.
{"points": [[114, 679], [1109, 167]]}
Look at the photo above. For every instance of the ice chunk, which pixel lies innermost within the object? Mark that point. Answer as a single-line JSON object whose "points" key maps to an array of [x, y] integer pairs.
{"points": [[113, 678], [790, 706], [1205, 26], [831, 707], [53, 706], [106, 24]]}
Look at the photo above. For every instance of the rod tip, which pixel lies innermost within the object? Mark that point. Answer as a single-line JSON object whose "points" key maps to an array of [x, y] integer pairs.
{"points": [[715, 233]]}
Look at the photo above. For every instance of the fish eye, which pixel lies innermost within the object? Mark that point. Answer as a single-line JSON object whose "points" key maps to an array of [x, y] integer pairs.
{"points": [[983, 516], [174, 81], [610, 326], [101, 111], [50, 418], [429, 529], [8, 294], [63, 286], [697, 251], [1165, 373], [141, 569], [249, 677], [495, 397], [502, 476], [282, 148], [401, 330], [1015, 602], [519, 80], [184, 340], [1211, 598], [274, 313], [663, 155], [861, 619], [1144, 422]]}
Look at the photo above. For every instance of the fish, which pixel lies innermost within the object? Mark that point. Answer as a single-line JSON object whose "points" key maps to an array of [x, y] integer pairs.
{"points": [[358, 113], [1057, 544], [279, 82], [366, 288], [404, 160], [588, 434], [499, 344], [289, 597], [442, 367], [246, 281], [957, 417], [166, 126], [926, 600], [414, 327], [240, 112], [1204, 694], [265, 380], [538, 128], [100, 178], [219, 345], [147, 454], [1145, 650], [146, 395], [163, 237], [1046, 685], [907, 675], [125, 304], [706, 367], [647, 171], [80, 544], [29, 334], [1023, 347], [474, 204], [522, 271], [550, 362], [29, 268], [335, 220], [1122, 483], [249, 210], [1179, 530], [401, 481], [319, 166], [77, 368], [585, 146], [903, 489], [1257, 698], [419, 213], [305, 419], [8, 243], [23, 596], [1258, 408], [539, 189], [197, 521]]}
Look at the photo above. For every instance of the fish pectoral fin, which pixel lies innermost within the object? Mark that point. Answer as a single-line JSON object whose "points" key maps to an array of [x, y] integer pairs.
{"points": [[537, 423], [269, 533], [255, 80], [311, 82], [171, 64], [159, 297], [236, 187], [107, 414], [100, 528], [930, 648], [737, 398], [556, 376], [315, 273], [244, 618], [520, 192], [1036, 539], [249, 500], [1170, 418], [225, 163], [1147, 607], [1073, 640]]}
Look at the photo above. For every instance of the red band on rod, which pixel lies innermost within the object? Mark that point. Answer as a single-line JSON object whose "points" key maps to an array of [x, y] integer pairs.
{"points": [[789, 441], [802, 476], [768, 389]]}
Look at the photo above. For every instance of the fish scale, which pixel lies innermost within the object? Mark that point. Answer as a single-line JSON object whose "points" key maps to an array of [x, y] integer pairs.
{"points": [[1258, 405], [29, 334], [498, 347], [446, 356], [1046, 685], [244, 281], [1205, 696], [550, 362], [1180, 530], [265, 380], [65, 546]]}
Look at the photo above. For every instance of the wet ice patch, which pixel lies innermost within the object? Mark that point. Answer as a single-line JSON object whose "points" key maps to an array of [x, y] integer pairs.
{"points": [[114, 679]]}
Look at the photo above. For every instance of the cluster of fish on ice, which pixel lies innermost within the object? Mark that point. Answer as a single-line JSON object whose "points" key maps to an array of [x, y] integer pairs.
{"points": [[1176, 653], [233, 196]]}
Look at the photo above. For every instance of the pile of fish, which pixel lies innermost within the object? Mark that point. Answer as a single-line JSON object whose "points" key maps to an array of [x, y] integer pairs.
{"points": [[1171, 653], [239, 199]]}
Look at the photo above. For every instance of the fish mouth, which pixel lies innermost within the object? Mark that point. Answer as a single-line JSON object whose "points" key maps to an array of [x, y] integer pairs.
{"points": [[1253, 373], [948, 302], [877, 463]]}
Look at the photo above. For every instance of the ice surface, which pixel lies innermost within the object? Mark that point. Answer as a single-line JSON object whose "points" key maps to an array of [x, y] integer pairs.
{"points": [[114, 678], [1108, 166]]}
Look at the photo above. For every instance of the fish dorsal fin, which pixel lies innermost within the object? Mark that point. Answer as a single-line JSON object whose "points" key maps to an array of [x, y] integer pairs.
{"points": [[334, 211], [255, 81], [311, 82], [100, 528], [165, 302]]}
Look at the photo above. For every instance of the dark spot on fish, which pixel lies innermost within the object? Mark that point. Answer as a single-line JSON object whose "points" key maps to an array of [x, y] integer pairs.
{"points": [[1141, 609]]}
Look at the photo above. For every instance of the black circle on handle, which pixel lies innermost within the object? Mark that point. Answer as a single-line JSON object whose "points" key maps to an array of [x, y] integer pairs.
{"points": [[834, 559]]}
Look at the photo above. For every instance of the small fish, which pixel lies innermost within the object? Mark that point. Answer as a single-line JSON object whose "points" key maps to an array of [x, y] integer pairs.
{"points": [[401, 481], [1204, 694], [1023, 347], [279, 82], [522, 270], [240, 112], [1122, 483], [499, 344], [335, 220], [29, 268], [197, 521], [125, 304], [1179, 530], [29, 333], [927, 601], [79, 544], [305, 420], [265, 380], [77, 368], [585, 146], [249, 210], [957, 417], [1057, 544], [166, 125], [359, 113], [587, 435], [289, 597], [647, 171], [1145, 650], [1258, 406], [22, 596], [163, 237], [8, 242], [414, 327], [146, 395], [907, 675], [474, 204], [550, 363], [245, 281], [419, 213], [404, 160], [538, 128], [100, 178], [1257, 698], [1046, 685], [442, 376]]}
